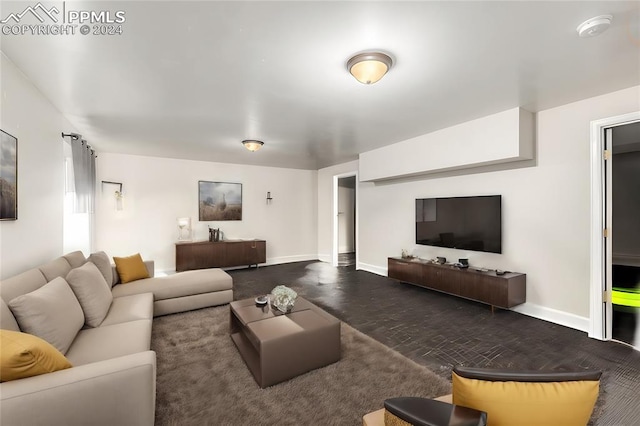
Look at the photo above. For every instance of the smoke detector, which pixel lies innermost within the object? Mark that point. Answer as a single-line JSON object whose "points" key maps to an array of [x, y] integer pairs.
{"points": [[594, 26]]}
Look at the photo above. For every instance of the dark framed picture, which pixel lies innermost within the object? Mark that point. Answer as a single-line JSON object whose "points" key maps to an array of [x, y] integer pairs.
{"points": [[219, 201], [8, 176]]}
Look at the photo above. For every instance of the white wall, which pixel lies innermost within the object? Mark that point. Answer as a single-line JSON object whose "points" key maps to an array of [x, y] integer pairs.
{"points": [[325, 206], [159, 190], [546, 211], [36, 237]]}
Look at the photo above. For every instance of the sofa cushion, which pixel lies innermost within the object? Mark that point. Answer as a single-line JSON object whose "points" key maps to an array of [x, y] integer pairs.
{"points": [[130, 308], [131, 268], [536, 403], [92, 291], [51, 312], [22, 283], [102, 262], [108, 342], [186, 283], [75, 259], [59, 267], [7, 320], [149, 264], [25, 355]]}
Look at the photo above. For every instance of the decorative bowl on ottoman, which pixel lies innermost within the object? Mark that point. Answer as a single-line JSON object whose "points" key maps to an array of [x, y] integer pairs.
{"points": [[283, 298]]}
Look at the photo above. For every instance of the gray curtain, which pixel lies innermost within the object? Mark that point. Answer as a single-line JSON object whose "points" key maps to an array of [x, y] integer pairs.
{"points": [[84, 175]]}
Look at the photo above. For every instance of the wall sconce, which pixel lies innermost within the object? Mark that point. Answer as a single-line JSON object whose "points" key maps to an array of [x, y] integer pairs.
{"points": [[119, 194], [184, 225], [269, 198]]}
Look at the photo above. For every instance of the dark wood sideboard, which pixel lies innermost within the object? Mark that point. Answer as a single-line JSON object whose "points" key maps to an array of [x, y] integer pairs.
{"points": [[220, 254], [503, 291]]}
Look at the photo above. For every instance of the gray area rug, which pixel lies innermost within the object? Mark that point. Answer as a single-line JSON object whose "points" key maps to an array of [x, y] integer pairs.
{"points": [[202, 380]]}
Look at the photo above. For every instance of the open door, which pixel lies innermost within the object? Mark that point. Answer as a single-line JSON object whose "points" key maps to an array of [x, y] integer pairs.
{"points": [[602, 227]]}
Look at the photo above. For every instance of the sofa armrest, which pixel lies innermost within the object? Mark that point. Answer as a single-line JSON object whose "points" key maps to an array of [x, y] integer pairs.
{"points": [[119, 391], [151, 266]]}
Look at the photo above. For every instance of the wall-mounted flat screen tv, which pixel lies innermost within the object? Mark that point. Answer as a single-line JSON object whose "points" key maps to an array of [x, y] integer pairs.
{"points": [[466, 223]]}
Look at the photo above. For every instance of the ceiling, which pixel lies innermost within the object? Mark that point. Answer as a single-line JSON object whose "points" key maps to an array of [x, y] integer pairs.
{"points": [[193, 79]]}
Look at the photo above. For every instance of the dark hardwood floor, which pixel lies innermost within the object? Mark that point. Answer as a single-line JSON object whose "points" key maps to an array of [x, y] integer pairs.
{"points": [[441, 331]]}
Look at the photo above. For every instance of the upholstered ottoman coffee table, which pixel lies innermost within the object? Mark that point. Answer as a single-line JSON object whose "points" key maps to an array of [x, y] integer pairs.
{"points": [[276, 346]]}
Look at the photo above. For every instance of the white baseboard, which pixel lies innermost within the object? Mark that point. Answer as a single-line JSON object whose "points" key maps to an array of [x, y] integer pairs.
{"points": [[324, 257], [277, 261], [290, 259], [378, 270], [552, 315]]}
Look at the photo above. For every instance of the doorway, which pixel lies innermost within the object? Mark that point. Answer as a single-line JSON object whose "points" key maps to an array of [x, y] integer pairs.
{"points": [[624, 144], [615, 138], [345, 241]]}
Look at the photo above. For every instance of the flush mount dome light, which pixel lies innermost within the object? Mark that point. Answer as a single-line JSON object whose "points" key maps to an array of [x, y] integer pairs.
{"points": [[369, 67], [594, 26], [252, 144]]}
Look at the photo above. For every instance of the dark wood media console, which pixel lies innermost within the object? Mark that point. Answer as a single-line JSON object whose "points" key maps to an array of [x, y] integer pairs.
{"points": [[220, 254], [503, 291]]}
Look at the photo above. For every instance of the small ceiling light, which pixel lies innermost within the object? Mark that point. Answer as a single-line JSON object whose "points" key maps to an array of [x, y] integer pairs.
{"points": [[369, 67], [252, 145], [594, 26]]}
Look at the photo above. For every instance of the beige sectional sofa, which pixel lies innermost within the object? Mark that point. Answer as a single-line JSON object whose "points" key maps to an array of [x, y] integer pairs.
{"points": [[112, 381]]}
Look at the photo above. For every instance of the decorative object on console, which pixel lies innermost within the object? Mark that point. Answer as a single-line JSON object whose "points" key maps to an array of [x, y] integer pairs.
{"points": [[441, 260], [184, 226], [462, 263], [219, 201], [214, 235], [283, 298], [406, 255], [8, 177]]}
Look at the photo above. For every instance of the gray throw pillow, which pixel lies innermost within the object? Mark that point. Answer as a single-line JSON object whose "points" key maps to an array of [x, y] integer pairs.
{"points": [[51, 312], [101, 260], [92, 291]]}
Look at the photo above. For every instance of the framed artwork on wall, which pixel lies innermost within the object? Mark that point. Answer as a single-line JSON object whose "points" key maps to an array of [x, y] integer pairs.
{"points": [[8, 176], [219, 201]]}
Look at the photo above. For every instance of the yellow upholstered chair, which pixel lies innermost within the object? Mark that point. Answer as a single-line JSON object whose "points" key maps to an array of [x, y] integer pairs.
{"points": [[519, 397]]}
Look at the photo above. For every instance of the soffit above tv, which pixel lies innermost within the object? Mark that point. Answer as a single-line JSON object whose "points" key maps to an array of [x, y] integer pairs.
{"points": [[505, 137]]}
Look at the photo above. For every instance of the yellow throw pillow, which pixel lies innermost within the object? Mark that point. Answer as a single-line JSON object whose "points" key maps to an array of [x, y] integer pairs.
{"points": [[131, 268], [25, 355], [528, 403]]}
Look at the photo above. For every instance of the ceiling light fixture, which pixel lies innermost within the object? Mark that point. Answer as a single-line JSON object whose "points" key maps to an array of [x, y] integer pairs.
{"points": [[594, 26], [369, 67], [252, 145]]}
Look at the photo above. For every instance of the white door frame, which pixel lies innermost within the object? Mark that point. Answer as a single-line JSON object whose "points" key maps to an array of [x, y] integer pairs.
{"points": [[334, 245], [598, 308]]}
